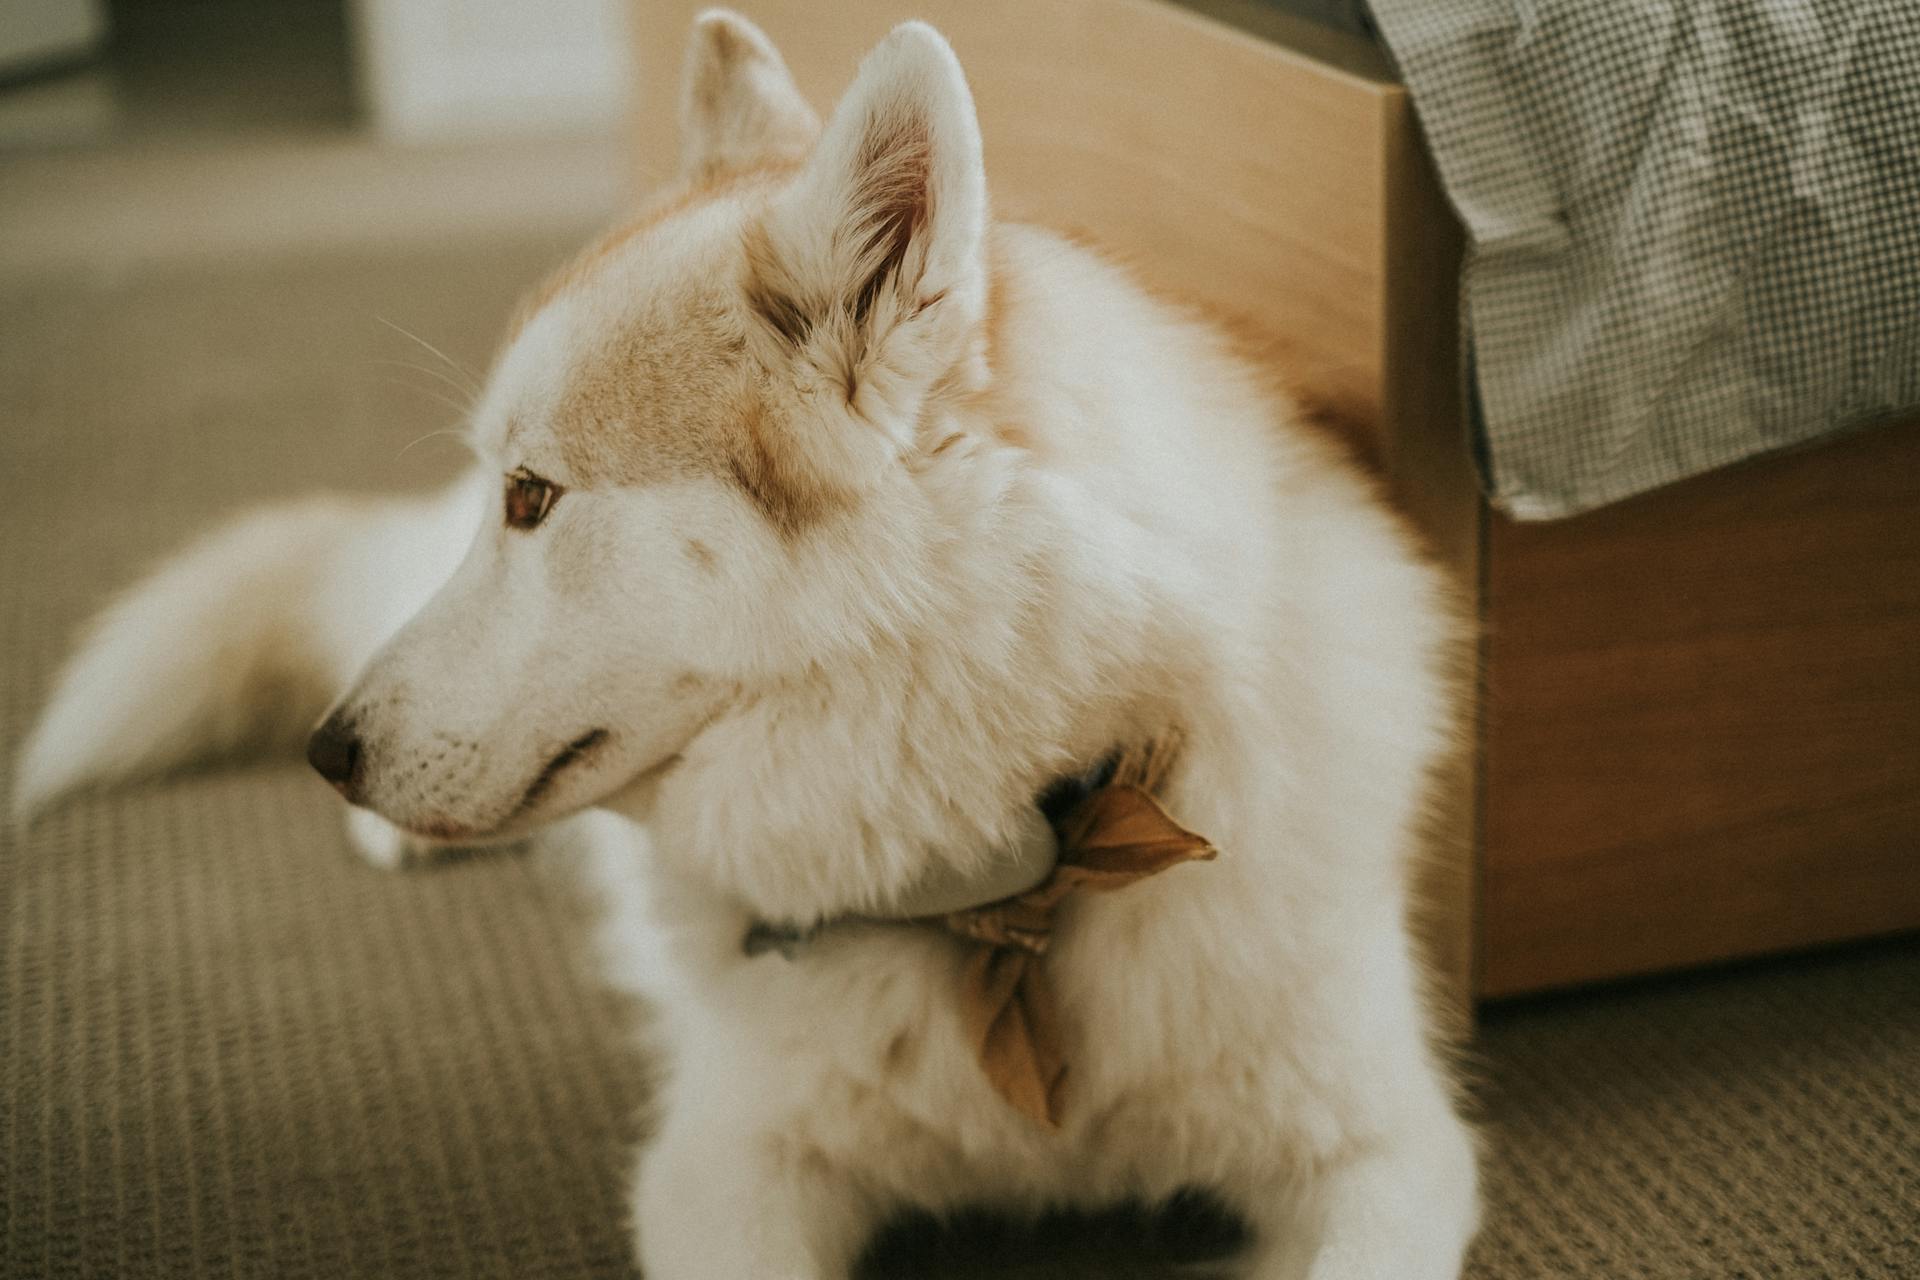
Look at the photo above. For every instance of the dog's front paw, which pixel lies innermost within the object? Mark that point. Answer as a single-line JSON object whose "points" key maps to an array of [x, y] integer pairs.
{"points": [[380, 843], [387, 847], [708, 1205]]}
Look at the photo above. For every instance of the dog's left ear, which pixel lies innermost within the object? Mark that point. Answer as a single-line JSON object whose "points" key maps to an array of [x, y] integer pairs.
{"points": [[739, 107], [875, 257]]}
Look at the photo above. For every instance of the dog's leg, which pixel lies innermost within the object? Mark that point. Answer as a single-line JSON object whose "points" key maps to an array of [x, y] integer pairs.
{"points": [[381, 844], [1403, 1209], [1405, 1212], [716, 1199], [1390, 1189]]}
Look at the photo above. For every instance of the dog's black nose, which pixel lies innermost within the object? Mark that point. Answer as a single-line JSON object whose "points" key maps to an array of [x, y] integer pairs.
{"points": [[334, 752]]}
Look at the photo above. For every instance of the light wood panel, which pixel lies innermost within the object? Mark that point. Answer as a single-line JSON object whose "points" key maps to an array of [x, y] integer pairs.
{"points": [[1703, 719], [1285, 188]]}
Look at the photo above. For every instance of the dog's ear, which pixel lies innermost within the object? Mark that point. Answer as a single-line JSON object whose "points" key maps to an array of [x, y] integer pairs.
{"points": [[739, 107], [875, 256]]}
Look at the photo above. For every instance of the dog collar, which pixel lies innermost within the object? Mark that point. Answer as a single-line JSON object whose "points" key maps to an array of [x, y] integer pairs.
{"points": [[1104, 830]]}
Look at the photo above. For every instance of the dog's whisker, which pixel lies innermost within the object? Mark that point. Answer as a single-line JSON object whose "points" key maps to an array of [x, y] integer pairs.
{"points": [[434, 394], [473, 381], [465, 391], [459, 433]]}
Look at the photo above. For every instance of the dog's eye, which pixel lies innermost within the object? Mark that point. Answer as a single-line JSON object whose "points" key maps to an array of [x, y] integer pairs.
{"points": [[529, 498]]}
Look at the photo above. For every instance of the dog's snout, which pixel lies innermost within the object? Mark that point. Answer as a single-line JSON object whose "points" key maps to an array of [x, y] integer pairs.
{"points": [[334, 752]]}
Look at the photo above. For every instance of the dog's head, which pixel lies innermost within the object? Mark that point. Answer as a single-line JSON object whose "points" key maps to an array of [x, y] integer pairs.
{"points": [[682, 434]]}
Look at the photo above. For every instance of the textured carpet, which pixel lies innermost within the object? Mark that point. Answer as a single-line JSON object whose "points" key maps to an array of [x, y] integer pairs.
{"points": [[227, 1048]]}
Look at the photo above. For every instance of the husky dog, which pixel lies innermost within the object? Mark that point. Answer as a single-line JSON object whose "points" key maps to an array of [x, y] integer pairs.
{"points": [[823, 524]]}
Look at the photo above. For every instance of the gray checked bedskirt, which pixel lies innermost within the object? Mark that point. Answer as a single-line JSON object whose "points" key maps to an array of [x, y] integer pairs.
{"points": [[1694, 227]]}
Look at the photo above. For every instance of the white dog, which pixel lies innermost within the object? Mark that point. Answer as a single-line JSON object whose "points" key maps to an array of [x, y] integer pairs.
{"points": [[823, 525]]}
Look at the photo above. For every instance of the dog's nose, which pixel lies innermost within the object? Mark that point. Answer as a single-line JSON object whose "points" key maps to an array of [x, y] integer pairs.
{"points": [[334, 752]]}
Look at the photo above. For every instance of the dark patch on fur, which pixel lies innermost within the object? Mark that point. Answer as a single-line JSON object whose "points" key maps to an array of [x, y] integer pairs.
{"points": [[789, 499], [753, 472], [782, 314], [777, 307], [725, 47], [1190, 1234], [894, 194]]}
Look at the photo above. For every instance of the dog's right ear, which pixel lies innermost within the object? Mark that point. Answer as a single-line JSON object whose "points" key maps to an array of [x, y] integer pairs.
{"points": [[739, 107]]}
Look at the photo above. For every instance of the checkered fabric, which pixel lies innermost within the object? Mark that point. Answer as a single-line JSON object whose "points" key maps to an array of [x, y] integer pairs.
{"points": [[1694, 226]]}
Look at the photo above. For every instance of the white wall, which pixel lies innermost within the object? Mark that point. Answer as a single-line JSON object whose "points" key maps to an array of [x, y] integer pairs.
{"points": [[446, 70]]}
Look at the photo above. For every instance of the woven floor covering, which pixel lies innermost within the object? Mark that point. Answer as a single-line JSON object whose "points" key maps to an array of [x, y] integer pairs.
{"points": [[229, 1049]]}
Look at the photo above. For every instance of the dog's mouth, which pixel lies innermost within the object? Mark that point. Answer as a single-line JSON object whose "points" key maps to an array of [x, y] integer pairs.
{"points": [[517, 819], [571, 754]]}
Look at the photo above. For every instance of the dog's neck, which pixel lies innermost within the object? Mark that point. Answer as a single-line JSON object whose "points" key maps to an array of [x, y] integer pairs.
{"points": [[886, 791], [947, 888]]}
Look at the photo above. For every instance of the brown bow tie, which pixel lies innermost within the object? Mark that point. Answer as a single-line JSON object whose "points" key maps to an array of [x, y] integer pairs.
{"points": [[1110, 832], [1116, 835]]}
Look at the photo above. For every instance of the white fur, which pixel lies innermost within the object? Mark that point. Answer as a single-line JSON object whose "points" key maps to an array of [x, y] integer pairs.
{"points": [[822, 720]]}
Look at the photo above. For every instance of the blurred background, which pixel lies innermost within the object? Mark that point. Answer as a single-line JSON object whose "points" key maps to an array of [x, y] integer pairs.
{"points": [[143, 129], [251, 249]]}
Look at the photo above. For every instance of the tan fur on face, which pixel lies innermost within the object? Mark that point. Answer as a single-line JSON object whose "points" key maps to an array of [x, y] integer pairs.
{"points": [[679, 397], [677, 394], [670, 203], [656, 400], [673, 391]]}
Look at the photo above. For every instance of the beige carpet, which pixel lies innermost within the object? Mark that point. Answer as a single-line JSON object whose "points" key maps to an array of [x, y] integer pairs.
{"points": [[227, 1048]]}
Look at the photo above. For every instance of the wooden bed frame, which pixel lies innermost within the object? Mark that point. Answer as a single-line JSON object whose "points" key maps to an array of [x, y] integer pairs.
{"points": [[1697, 731]]}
